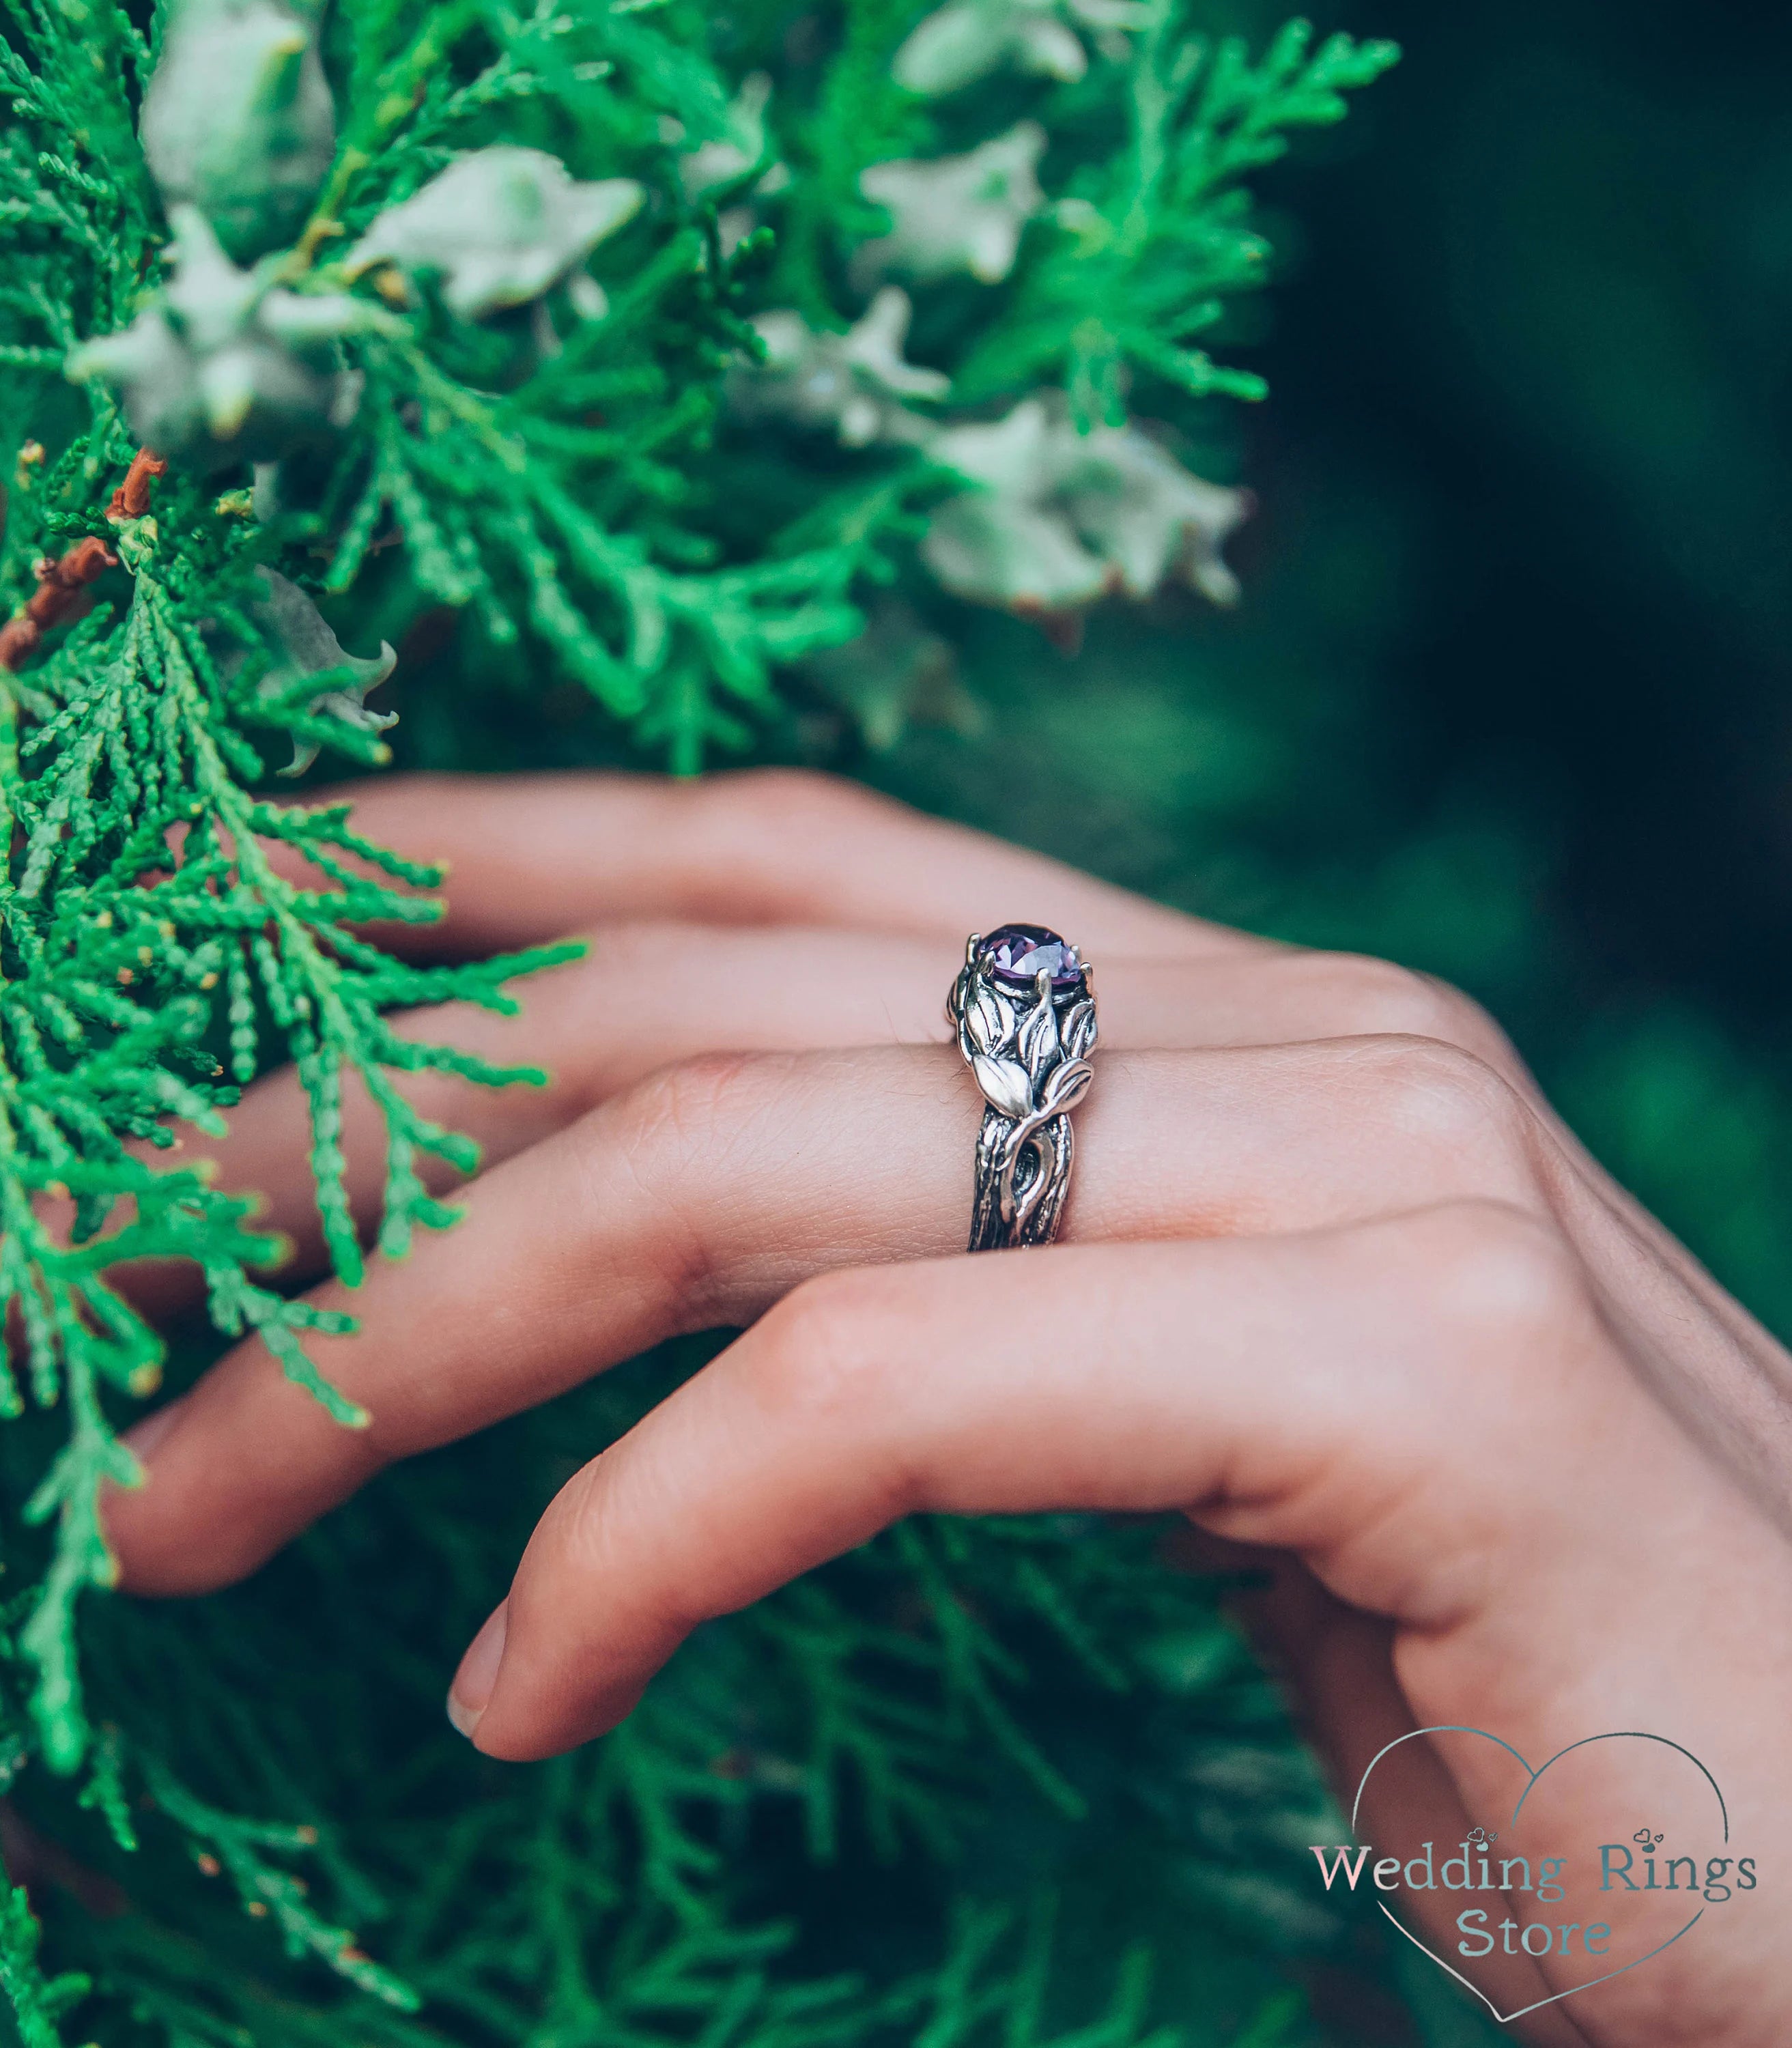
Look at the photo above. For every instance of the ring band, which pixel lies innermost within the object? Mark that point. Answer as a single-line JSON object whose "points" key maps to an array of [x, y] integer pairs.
{"points": [[1023, 1006]]}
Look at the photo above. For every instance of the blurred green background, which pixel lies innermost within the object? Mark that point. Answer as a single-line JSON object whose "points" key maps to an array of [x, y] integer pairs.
{"points": [[1509, 695]]}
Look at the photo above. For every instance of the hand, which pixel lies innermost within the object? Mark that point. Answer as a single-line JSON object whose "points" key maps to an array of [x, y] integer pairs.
{"points": [[1335, 1282]]}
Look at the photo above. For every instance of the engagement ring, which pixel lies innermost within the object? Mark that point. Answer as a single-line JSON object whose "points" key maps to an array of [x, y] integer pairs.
{"points": [[1023, 1006]]}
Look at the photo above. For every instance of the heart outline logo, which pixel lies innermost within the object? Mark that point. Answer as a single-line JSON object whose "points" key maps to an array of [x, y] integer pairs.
{"points": [[1531, 1778]]}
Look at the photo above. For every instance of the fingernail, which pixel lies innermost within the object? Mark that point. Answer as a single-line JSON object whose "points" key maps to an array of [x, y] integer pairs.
{"points": [[470, 1692], [141, 1438]]}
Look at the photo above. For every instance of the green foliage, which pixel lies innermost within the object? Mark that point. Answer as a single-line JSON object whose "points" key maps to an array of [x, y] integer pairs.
{"points": [[867, 1739], [121, 959], [469, 313], [38, 2005], [1158, 236]]}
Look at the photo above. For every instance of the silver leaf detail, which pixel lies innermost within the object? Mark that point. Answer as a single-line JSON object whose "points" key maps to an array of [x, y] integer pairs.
{"points": [[989, 1021], [1038, 1043], [1066, 1087], [1079, 1029], [1005, 1085]]}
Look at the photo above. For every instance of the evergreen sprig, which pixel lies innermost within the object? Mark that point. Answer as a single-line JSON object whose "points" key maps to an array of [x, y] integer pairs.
{"points": [[1155, 241], [120, 953]]}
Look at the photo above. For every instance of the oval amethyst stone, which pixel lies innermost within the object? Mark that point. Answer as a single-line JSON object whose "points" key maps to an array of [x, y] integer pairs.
{"points": [[1018, 954]]}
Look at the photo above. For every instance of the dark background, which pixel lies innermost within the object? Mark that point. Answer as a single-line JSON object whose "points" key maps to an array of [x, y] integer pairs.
{"points": [[1509, 695], [1543, 319]]}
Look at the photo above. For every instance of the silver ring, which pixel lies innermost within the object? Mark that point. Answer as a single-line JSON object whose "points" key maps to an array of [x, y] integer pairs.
{"points": [[1023, 1006]]}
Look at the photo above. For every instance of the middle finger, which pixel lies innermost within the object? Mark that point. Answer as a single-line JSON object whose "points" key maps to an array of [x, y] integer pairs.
{"points": [[648, 995]]}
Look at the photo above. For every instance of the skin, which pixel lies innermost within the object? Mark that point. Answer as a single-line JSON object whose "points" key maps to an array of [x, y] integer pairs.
{"points": [[1334, 1282]]}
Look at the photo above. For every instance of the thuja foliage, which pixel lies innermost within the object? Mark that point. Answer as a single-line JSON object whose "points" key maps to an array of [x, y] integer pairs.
{"points": [[505, 316]]}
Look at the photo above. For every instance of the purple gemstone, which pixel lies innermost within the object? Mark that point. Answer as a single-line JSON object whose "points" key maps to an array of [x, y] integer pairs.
{"points": [[1017, 954]]}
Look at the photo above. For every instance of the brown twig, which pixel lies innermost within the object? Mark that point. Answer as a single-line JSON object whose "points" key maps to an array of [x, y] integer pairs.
{"points": [[131, 499], [62, 592]]}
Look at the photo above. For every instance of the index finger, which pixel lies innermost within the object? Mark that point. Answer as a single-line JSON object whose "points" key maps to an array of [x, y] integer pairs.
{"points": [[533, 857]]}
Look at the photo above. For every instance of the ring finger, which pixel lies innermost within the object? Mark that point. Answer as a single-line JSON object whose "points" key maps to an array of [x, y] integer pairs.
{"points": [[703, 1195]]}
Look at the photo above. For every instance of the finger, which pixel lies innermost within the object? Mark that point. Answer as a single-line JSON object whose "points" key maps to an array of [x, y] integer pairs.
{"points": [[1343, 1394], [648, 995], [1406, 1405], [702, 1197], [531, 857]]}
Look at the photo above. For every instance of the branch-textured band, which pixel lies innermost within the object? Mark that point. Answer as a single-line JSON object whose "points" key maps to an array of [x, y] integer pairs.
{"points": [[1023, 1006]]}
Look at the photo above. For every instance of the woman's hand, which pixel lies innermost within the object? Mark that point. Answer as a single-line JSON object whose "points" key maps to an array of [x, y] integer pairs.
{"points": [[1335, 1282]]}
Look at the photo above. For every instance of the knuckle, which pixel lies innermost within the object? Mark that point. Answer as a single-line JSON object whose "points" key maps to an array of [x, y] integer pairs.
{"points": [[579, 1523], [819, 1362], [1447, 1099], [591, 1534], [694, 1105], [1502, 1278], [1376, 998], [671, 1140]]}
